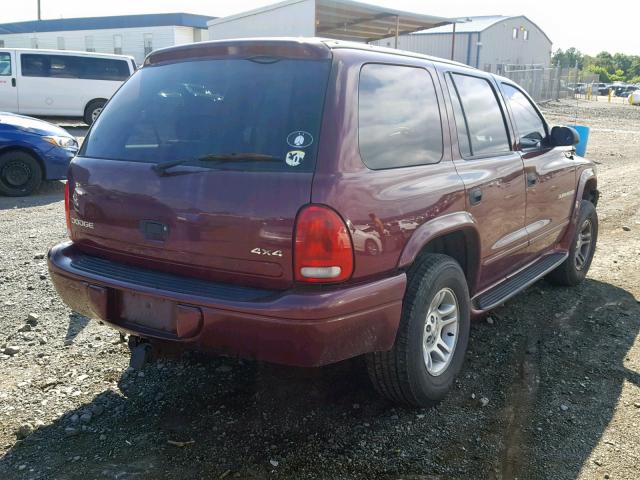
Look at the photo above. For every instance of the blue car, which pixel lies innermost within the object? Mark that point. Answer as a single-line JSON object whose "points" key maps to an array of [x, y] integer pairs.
{"points": [[31, 151]]}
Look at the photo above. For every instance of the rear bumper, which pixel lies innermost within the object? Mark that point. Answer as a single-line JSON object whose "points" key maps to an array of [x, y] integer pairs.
{"points": [[301, 328]]}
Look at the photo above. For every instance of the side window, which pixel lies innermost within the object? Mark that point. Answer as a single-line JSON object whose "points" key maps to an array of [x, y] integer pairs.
{"points": [[479, 120], [398, 117], [63, 66], [5, 64], [104, 69], [69, 66], [34, 65], [530, 126]]}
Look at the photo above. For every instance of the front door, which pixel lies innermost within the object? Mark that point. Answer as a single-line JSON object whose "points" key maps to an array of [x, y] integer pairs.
{"points": [[550, 174], [8, 87], [492, 173]]}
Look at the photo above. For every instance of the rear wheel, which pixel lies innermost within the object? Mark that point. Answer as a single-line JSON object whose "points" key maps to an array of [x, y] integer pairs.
{"points": [[574, 269], [93, 110], [432, 337], [20, 174]]}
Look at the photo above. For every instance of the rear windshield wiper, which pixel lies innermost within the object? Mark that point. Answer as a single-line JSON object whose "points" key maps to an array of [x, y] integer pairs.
{"points": [[162, 167]]}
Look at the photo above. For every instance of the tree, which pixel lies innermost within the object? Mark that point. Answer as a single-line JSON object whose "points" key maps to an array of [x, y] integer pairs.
{"points": [[569, 59], [622, 62], [617, 67], [605, 60], [603, 75], [618, 76]]}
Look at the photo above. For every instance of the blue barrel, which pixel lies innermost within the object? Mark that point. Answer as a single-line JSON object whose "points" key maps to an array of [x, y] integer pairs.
{"points": [[583, 131]]}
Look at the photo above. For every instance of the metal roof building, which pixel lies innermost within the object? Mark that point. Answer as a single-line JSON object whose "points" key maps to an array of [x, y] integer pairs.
{"points": [[338, 19], [135, 35], [488, 42]]}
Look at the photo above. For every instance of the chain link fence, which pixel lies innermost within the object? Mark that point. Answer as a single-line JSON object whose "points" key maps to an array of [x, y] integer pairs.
{"points": [[555, 83]]}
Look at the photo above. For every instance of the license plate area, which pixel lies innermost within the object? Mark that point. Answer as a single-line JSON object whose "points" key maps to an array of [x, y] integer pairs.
{"points": [[148, 312]]}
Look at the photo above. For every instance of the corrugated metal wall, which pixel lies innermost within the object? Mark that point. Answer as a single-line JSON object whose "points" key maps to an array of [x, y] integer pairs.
{"points": [[296, 19], [102, 41], [497, 46], [500, 48], [437, 45]]}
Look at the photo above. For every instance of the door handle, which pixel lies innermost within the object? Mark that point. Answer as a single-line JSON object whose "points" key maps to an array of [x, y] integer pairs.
{"points": [[475, 196], [532, 179], [13, 82]]}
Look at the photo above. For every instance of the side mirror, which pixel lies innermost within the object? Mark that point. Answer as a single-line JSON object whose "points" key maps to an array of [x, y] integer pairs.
{"points": [[564, 137]]}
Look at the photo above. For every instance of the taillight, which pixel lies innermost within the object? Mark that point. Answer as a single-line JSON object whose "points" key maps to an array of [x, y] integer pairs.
{"points": [[323, 251], [67, 212]]}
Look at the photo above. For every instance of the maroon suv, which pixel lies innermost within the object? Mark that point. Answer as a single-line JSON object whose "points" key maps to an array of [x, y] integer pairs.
{"points": [[305, 201]]}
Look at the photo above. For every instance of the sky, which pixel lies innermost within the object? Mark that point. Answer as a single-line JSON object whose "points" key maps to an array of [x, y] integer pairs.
{"points": [[568, 23]]}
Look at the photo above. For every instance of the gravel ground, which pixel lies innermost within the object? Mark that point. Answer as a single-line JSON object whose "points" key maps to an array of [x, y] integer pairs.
{"points": [[550, 388]]}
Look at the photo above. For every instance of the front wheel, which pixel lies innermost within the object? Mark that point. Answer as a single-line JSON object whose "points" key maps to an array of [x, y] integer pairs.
{"points": [[432, 337], [20, 174], [574, 269]]}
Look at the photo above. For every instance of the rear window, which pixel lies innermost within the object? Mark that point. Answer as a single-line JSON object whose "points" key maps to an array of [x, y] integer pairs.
{"points": [[183, 111], [69, 66]]}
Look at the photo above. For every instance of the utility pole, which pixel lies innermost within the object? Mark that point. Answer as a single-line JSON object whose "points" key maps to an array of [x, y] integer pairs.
{"points": [[453, 36], [453, 39], [39, 16]]}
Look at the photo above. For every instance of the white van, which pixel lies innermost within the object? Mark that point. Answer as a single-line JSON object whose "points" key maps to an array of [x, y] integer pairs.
{"points": [[60, 82]]}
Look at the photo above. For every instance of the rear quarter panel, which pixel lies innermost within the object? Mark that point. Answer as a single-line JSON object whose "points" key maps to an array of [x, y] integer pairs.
{"points": [[394, 202]]}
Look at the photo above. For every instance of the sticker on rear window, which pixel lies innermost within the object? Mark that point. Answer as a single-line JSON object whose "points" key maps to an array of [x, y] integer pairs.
{"points": [[299, 139], [294, 158]]}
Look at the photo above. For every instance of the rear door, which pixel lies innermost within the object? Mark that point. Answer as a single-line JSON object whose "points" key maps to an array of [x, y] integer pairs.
{"points": [[8, 85], [151, 200], [492, 172], [549, 171]]}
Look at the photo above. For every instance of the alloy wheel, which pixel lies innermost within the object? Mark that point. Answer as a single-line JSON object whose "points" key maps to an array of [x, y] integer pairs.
{"points": [[440, 334], [583, 244]]}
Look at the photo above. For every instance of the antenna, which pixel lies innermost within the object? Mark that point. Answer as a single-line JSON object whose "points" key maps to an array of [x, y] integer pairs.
{"points": [[39, 16]]}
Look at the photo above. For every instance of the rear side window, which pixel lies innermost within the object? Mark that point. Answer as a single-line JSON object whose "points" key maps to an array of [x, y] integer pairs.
{"points": [[398, 117], [479, 120], [531, 128], [69, 66]]}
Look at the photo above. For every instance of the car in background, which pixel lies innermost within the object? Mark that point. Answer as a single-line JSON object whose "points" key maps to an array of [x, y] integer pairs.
{"points": [[623, 90], [60, 82], [31, 151], [366, 239], [577, 87]]}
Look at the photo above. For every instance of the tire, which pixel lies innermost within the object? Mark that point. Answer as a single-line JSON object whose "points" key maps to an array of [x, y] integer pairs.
{"points": [[92, 110], [402, 374], [20, 174], [574, 270]]}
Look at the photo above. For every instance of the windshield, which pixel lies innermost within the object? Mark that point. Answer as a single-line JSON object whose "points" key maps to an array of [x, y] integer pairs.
{"points": [[188, 110]]}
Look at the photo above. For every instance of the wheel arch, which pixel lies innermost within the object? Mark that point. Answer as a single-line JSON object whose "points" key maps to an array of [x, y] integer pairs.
{"points": [[590, 191], [97, 99], [587, 189], [29, 151], [455, 235]]}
